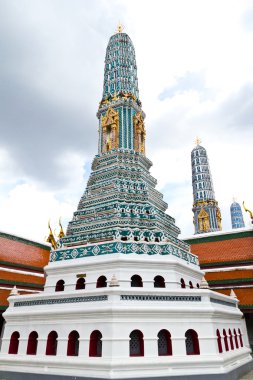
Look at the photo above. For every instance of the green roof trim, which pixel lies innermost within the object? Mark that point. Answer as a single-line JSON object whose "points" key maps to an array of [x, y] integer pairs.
{"points": [[220, 237], [17, 265], [25, 241], [13, 282], [231, 280], [230, 263], [246, 306]]}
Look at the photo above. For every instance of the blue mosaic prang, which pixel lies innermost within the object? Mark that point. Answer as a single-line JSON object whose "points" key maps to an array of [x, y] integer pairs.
{"points": [[120, 73], [54, 301], [123, 248], [141, 297], [237, 220], [221, 302], [203, 193]]}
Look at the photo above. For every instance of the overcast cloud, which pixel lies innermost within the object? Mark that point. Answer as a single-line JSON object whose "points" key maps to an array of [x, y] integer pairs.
{"points": [[195, 69]]}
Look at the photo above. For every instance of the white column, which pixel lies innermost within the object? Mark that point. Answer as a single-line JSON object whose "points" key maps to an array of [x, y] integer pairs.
{"points": [[178, 345], [83, 347], [208, 345], [41, 347], [150, 347], [5, 345], [112, 348], [62, 344], [22, 347]]}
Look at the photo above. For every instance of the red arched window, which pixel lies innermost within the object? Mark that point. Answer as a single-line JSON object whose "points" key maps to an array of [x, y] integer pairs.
{"points": [[80, 284], [219, 341], [190, 285], [52, 343], [136, 344], [101, 282], [14, 342], [192, 342], [225, 339], [32, 343], [136, 281], [164, 343], [236, 340], [95, 344], [159, 282], [59, 287], [182, 283], [240, 337], [73, 344], [231, 339]]}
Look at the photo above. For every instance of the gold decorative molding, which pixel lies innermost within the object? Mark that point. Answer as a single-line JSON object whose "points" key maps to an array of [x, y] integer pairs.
{"points": [[247, 210], [110, 130], [139, 133], [204, 222]]}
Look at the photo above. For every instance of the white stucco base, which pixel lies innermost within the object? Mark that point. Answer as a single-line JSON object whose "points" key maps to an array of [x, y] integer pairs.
{"points": [[116, 312]]}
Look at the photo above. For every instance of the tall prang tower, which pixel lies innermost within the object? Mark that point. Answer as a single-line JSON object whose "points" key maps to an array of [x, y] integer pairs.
{"points": [[207, 215], [237, 220], [120, 201], [124, 297]]}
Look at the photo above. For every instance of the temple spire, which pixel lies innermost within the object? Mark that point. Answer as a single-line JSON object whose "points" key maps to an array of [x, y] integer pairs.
{"points": [[236, 215], [121, 119], [207, 216]]}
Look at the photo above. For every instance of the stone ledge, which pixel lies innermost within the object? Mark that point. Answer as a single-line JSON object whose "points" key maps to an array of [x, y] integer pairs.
{"points": [[235, 374]]}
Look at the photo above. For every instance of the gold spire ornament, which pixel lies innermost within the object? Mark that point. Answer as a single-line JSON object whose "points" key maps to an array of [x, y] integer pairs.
{"points": [[61, 233], [120, 28], [198, 141], [51, 239]]}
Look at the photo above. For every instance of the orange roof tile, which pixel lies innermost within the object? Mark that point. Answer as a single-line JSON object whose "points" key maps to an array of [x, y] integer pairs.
{"points": [[235, 274], [238, 249], [10, 276], [4, 294], [23, 252]]}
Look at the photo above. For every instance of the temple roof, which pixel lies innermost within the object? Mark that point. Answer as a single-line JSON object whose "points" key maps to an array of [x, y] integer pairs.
{"points": [[220, 248], [20, 252]]}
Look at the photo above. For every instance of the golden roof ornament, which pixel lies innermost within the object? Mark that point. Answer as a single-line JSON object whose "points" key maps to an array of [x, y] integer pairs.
{"points": [[51, 239], [247, 210], [120, 28], [198, 141], [61, 233]]}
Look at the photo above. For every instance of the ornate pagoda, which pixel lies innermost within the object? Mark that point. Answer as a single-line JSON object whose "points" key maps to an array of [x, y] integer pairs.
{"points": [[237, 220], [124, 297], [207, 215]]}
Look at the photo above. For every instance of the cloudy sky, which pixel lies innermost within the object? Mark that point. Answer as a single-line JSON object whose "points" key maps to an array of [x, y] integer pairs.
{"points": [[195, 70]]}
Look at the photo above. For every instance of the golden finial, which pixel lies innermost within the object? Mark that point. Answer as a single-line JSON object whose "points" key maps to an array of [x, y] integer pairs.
{"points": [[51, 238], [120, 28], [247, 210], [61, 233], [197, 141]]}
